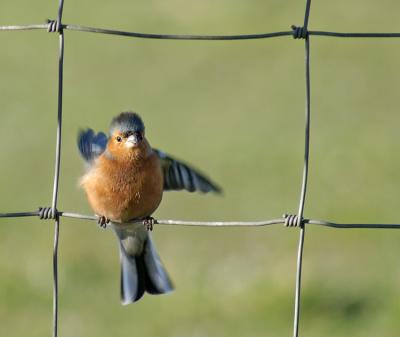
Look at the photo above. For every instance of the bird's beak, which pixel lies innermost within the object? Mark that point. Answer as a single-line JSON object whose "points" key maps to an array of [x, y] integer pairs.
{"points": [[134, 139]]}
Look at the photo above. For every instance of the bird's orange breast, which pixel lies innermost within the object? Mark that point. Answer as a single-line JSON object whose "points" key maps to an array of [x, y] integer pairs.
{"points": [[123, 191]]}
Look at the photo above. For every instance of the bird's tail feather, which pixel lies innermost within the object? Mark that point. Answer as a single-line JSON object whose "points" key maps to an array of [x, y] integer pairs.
{"points": [[142, 273]]}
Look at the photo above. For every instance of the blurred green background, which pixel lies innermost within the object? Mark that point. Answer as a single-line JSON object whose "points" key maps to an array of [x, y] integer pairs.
{"points": [[235, 110]]}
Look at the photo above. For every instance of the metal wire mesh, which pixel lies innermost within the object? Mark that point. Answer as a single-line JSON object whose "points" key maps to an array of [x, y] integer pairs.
{"points": [[289, 220]]}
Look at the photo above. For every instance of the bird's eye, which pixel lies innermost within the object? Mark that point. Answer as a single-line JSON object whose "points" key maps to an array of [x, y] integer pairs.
{"points": [[119, 139]]}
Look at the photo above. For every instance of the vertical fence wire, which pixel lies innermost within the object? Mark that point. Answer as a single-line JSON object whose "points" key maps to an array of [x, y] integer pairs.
{"points": [[298, 283], [59, 29], [307, 115], [55, 276], [305, 173]]}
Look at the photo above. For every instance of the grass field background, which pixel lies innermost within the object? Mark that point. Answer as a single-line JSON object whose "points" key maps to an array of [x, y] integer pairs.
{"points": [[236, 111]]}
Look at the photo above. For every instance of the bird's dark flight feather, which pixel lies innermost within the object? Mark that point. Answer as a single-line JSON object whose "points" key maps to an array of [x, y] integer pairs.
{"points": [[180, 176], [91, 145]]}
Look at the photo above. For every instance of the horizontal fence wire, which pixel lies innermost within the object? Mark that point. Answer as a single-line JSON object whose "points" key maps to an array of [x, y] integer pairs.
{"points": [[86, 29], [276, 221], [56, 26]]}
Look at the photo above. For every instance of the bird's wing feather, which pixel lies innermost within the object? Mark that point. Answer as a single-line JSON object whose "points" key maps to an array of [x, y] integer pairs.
{"points": [[180, 176], [90, 144]]}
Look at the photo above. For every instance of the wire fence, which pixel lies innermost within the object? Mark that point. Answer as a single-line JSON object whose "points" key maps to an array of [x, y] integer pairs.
{"points": [[289, 220]]}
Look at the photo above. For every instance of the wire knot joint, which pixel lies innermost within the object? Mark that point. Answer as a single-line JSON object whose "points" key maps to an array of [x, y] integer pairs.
{"points": [[293, 220], [47, 213], [54, 26], [299, 32]]}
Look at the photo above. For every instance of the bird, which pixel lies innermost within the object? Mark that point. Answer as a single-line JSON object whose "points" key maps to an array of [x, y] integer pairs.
{"points": [[124, 181]]}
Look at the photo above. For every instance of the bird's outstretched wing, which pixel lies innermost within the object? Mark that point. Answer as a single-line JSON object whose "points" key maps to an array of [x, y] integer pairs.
{"points": [[180, 176], [90, 144]]}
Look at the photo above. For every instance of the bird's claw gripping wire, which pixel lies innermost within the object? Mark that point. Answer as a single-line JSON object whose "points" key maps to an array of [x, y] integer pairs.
{"points": [[149, 222], [102, 221]]}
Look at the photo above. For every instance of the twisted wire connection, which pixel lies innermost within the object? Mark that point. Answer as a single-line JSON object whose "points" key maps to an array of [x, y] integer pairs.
{"points": [[47, 213], [300, 32], [293, 220], [54, 26]]}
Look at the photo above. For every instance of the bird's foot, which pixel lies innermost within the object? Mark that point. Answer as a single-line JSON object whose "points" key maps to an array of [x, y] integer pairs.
{"points": [[149, 222], [102, 221]]}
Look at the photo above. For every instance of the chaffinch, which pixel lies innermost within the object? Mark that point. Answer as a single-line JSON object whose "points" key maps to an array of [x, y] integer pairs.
{"points": [[124, 181]]}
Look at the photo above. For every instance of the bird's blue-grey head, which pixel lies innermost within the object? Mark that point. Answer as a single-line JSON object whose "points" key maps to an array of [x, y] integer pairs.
{"points": [[127, 122]]}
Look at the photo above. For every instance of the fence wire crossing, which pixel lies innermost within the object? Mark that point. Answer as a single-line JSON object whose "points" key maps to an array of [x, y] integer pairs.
{"points": [[289, 220]]}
